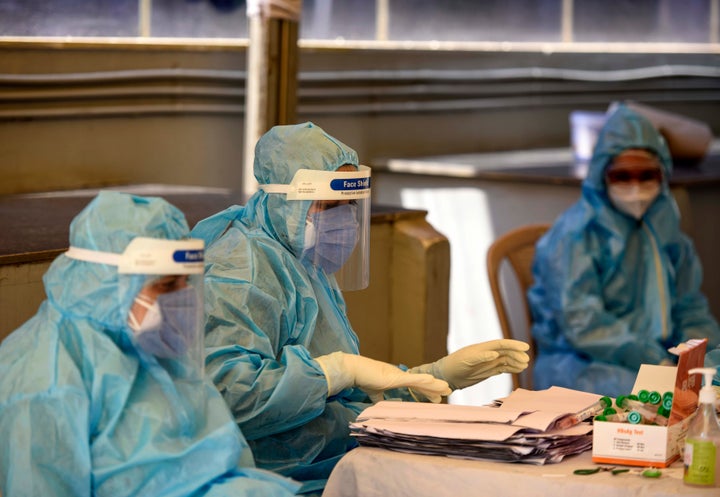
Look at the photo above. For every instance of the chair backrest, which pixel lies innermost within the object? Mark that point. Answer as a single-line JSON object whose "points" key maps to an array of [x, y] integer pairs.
{"points": [[517, 247]]}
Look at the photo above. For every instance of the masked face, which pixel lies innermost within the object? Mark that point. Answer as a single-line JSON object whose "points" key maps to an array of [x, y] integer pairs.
{"points": [[634, 199], [633, 181], [168, 326], [330, 236]]}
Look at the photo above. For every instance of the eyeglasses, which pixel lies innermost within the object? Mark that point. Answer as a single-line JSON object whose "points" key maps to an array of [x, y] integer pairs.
{"points": [[628, 175]]}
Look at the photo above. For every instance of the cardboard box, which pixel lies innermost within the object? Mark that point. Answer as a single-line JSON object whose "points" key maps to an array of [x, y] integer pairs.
{"points": [[652, 445]]}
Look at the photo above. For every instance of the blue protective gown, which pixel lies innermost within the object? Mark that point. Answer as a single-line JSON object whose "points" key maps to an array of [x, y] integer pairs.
{"points": [[610, 292], [84, 413], [712, 360], [269, 314]]}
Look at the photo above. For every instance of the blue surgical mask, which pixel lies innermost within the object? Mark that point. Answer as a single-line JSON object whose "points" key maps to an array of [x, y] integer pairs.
{"points": [[169, 325], [331, 236]]}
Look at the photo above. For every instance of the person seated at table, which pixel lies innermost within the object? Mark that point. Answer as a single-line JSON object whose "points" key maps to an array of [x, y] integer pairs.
{"points": [[712, 360], [102, 392], [616, 282], [280, 346]]}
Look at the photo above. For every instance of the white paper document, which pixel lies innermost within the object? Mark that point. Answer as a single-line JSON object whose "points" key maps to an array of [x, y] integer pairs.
{"points": [[439, 412], [521, 429]]}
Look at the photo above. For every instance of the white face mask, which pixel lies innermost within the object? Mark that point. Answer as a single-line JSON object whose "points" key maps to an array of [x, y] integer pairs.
{"points": [[633, 198]]}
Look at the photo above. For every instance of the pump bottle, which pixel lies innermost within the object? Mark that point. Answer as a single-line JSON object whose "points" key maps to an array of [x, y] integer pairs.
{"points": [[702, 442]]}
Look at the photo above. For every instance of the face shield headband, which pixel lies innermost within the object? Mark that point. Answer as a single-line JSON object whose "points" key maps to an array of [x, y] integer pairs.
{"points": [[166, 315], [337, 229]]}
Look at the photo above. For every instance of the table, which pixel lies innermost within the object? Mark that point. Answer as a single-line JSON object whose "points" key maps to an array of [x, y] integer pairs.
{"points": [[373, 472]]}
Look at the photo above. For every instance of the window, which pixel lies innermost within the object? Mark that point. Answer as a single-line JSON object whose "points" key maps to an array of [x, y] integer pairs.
{"points": [[198, 19], [486, 20], [687, 21], [124, 18], [588, 21], [68, 18]]}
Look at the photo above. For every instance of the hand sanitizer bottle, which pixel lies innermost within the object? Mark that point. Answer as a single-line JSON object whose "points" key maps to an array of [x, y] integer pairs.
{"points": [[702, 442]]}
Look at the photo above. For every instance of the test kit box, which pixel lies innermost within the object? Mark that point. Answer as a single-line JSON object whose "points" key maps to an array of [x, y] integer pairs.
{"points": [[652, 445]]}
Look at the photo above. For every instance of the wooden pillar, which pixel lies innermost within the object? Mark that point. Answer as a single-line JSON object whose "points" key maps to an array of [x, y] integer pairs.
{"points": [[271, 87]]}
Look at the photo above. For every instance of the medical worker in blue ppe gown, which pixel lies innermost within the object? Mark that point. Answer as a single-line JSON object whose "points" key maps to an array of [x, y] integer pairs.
{"points": [[616, 281], [712, 360], [278, 341], [102, 392]]}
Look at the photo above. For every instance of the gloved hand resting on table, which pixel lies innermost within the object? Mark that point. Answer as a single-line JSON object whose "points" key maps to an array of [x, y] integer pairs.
{"points": [[374, 377], [477, 362]]}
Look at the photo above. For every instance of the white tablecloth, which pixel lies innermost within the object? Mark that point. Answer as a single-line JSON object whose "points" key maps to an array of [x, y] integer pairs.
{"points": [[372, 472]]}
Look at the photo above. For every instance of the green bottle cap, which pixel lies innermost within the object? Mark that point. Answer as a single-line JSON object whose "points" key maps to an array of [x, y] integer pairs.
{"points": [[600, 418], [654, 398], [605, 401], [632, 396], [667, 394], [620, 401], [667, 403], [634, 418], [644, 396], [662, 411], [609, 411], [652, 473]]}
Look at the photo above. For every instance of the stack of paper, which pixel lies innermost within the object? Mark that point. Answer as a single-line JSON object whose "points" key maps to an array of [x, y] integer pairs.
{"points": [[523, 428]]}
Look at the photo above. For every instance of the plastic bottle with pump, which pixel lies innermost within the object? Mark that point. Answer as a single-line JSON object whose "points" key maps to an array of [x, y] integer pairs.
{"points": [[702, 442]]}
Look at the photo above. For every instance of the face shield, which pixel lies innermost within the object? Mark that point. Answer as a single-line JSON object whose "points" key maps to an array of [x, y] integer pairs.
{"points": [[164, 278], [337, 234]]}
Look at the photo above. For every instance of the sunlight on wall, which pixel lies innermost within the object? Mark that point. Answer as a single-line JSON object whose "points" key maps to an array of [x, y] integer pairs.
{"points": [[461, 215]]}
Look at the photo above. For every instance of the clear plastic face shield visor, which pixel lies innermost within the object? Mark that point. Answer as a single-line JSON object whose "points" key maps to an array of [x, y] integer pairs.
{"points": [[166, 314], [337, 228]]}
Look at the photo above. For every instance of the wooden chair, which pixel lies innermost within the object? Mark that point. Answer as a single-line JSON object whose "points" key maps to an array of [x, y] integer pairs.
{"points": [[517, 247]]}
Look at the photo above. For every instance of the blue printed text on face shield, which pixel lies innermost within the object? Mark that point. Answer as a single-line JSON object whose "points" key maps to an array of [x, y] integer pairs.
{"points": [[350, 184], [188, 256]]}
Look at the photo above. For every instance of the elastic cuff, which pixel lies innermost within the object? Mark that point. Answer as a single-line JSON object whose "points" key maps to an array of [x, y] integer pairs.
{"points": [[325, 373]]}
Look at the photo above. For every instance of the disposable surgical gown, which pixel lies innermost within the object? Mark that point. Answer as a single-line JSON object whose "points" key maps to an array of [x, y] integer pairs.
{"points": [[83, 413], [269, 314], [611, 292], [712, 360]]}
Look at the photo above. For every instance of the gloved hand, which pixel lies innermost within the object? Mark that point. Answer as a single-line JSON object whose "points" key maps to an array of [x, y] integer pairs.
{"points": [[477, 362], [374, 377]]}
